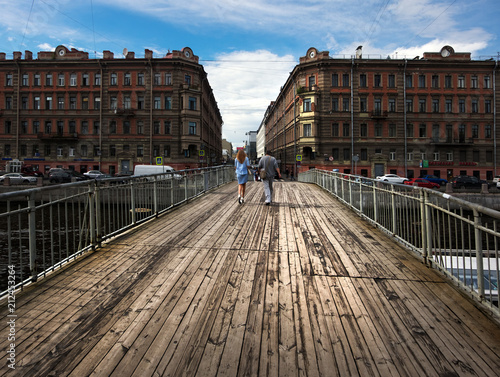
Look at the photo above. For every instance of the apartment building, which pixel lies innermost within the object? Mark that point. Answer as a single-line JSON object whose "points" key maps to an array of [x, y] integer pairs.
{"points": [[434, 114], [64, 109]]}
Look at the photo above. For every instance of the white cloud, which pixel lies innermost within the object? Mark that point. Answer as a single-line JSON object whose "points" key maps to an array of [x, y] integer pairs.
{"points": [[244, 84]]}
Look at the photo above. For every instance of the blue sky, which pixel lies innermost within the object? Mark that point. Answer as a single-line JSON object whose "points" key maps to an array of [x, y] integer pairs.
{"points": [[249, 47]]}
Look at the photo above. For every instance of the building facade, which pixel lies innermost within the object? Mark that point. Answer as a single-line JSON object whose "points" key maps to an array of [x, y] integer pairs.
{"points": [[430, 115], [66, 110]]}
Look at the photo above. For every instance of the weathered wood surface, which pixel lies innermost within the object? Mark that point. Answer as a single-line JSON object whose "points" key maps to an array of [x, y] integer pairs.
{"points": [[299, 288]]}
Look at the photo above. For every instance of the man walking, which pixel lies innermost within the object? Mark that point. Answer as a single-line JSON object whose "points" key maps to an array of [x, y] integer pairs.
{"points": [[270, 165]]}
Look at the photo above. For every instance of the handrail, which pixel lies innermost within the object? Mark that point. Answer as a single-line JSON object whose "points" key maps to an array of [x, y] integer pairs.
{"points": [[43, 228], [457, 237]]}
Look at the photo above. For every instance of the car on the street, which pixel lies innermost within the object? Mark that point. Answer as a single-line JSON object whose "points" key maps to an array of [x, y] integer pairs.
{"points": [[467, 181], [420, 182], [66, 175], [391, 178], [19, 179], [96, 174], [435, 179]]}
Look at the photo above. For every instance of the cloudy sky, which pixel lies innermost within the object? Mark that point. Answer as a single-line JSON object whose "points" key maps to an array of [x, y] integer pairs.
{"points": [[249, 47]]}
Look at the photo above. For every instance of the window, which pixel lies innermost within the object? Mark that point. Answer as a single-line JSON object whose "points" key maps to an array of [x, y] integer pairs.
{"points": [[168, 103], [36, 103], [362, 80], [409, 130], [392, 130], [475, 156], [312, 82], [97, 127], [83, 150], [377, 81], [126, 102], [409, 81], [474, 82], [112, 127], [474, 106], [307, 105], [435, 105], [126, 127], [166, 151], [113, 103], [448, 106], [335, 104], [140, 78], [409, 105], [487, 131], [436, 156], [36, 79], [168, 79], [140, 102], [187, 79], [461, 133], [36, 127], [392, 155], [60, 103], [463, 156], [112, 150], [127, 81], [335, 153], [192, 128], [140, 128], [97, 79], [487, 106], [85, 127], [157, 78], [345, 80], [363, 130], [60, 127], [435, 81], [335, 129], [487, 82], [25, 80], [48, 127], [156, 127], [392, 81], [24, 103], [8, 127], [85, 79], [377, 106], [461, 82], [8, 79], [192, 103], [422, 105], [113, 79], [72, 103], [346, 129], [97, 103], [8, 103], [378, 130], [46, 150], [167, 126], [409, 156], [449, 133], [24, 127], [335, 79], [157, 103], [23, 150], [364, 154], [48, 102], [347, 154], [422, 130], [435, 132], [72, 127], [72, 79], [85, 102], [345, 104], [307, 130], [475, 131], [447, 82], [421, 81], [392, 105], [461, 106], [423, 155], [362, 105]]}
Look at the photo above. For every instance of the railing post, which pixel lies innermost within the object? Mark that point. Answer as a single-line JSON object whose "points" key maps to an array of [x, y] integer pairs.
{"points": [[32, 236], [206, 173], [184, 177], [375, 205], [132, 201], [97, 202], [479, 253], [424, 224], [92, 214], [394, 217], [155, 194]]}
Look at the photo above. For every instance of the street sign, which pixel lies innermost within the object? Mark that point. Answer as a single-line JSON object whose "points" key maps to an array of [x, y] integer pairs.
{"points": [[299, 157], [159, 160], [331, 158], [201, 153]]}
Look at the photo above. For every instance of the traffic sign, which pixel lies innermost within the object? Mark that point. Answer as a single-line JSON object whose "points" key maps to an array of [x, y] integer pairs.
{"points": [[299, 157], [201, 153], [159, 160]]}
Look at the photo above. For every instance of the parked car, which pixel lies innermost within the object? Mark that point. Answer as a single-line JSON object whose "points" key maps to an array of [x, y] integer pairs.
{"points": [[19, 179], [95, 174], [422, 183], [467, 181], [64, 176], [391, 178], [434, 179]]}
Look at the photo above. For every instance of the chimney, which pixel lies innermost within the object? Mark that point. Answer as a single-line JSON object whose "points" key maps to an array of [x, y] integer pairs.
{"points": [[28, 55], [148, 54], [130, 55], [2, 55], [17, 55], [108, 54]]}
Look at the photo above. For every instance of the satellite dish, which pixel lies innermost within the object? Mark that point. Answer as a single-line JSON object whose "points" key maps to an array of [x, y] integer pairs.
{"points": [[125, 52]]}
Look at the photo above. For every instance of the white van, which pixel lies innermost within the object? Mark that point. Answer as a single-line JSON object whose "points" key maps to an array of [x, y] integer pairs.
{"points": [[141, 170]]}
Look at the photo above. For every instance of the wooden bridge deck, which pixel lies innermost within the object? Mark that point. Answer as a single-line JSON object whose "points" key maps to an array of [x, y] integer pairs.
{"points": [[299, 288]]}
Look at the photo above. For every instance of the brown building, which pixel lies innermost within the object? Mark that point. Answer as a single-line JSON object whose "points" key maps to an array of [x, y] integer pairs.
{"points": [[429, 115], [66, 110]]}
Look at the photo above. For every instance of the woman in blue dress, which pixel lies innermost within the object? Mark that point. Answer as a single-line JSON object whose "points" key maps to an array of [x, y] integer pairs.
{"points": [[242, 165]]}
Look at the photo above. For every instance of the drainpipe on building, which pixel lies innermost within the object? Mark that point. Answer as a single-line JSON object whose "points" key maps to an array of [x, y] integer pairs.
{"points": [[151, 113], [352, 115], [100, 115], [495, 119], [18, 109], [404, 120], [294, 131]]}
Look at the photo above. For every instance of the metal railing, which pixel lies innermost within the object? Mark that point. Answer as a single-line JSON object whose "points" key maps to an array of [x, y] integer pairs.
{"points": [[43, 228], [459, 238]]}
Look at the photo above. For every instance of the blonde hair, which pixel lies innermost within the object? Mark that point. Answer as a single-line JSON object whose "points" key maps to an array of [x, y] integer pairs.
{"points": [[241, 155]]}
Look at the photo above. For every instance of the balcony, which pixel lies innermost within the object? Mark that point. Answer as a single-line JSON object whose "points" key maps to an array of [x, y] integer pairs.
{"points": [[56, 136], [123, 112], [378, 114], [452, 141]]}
